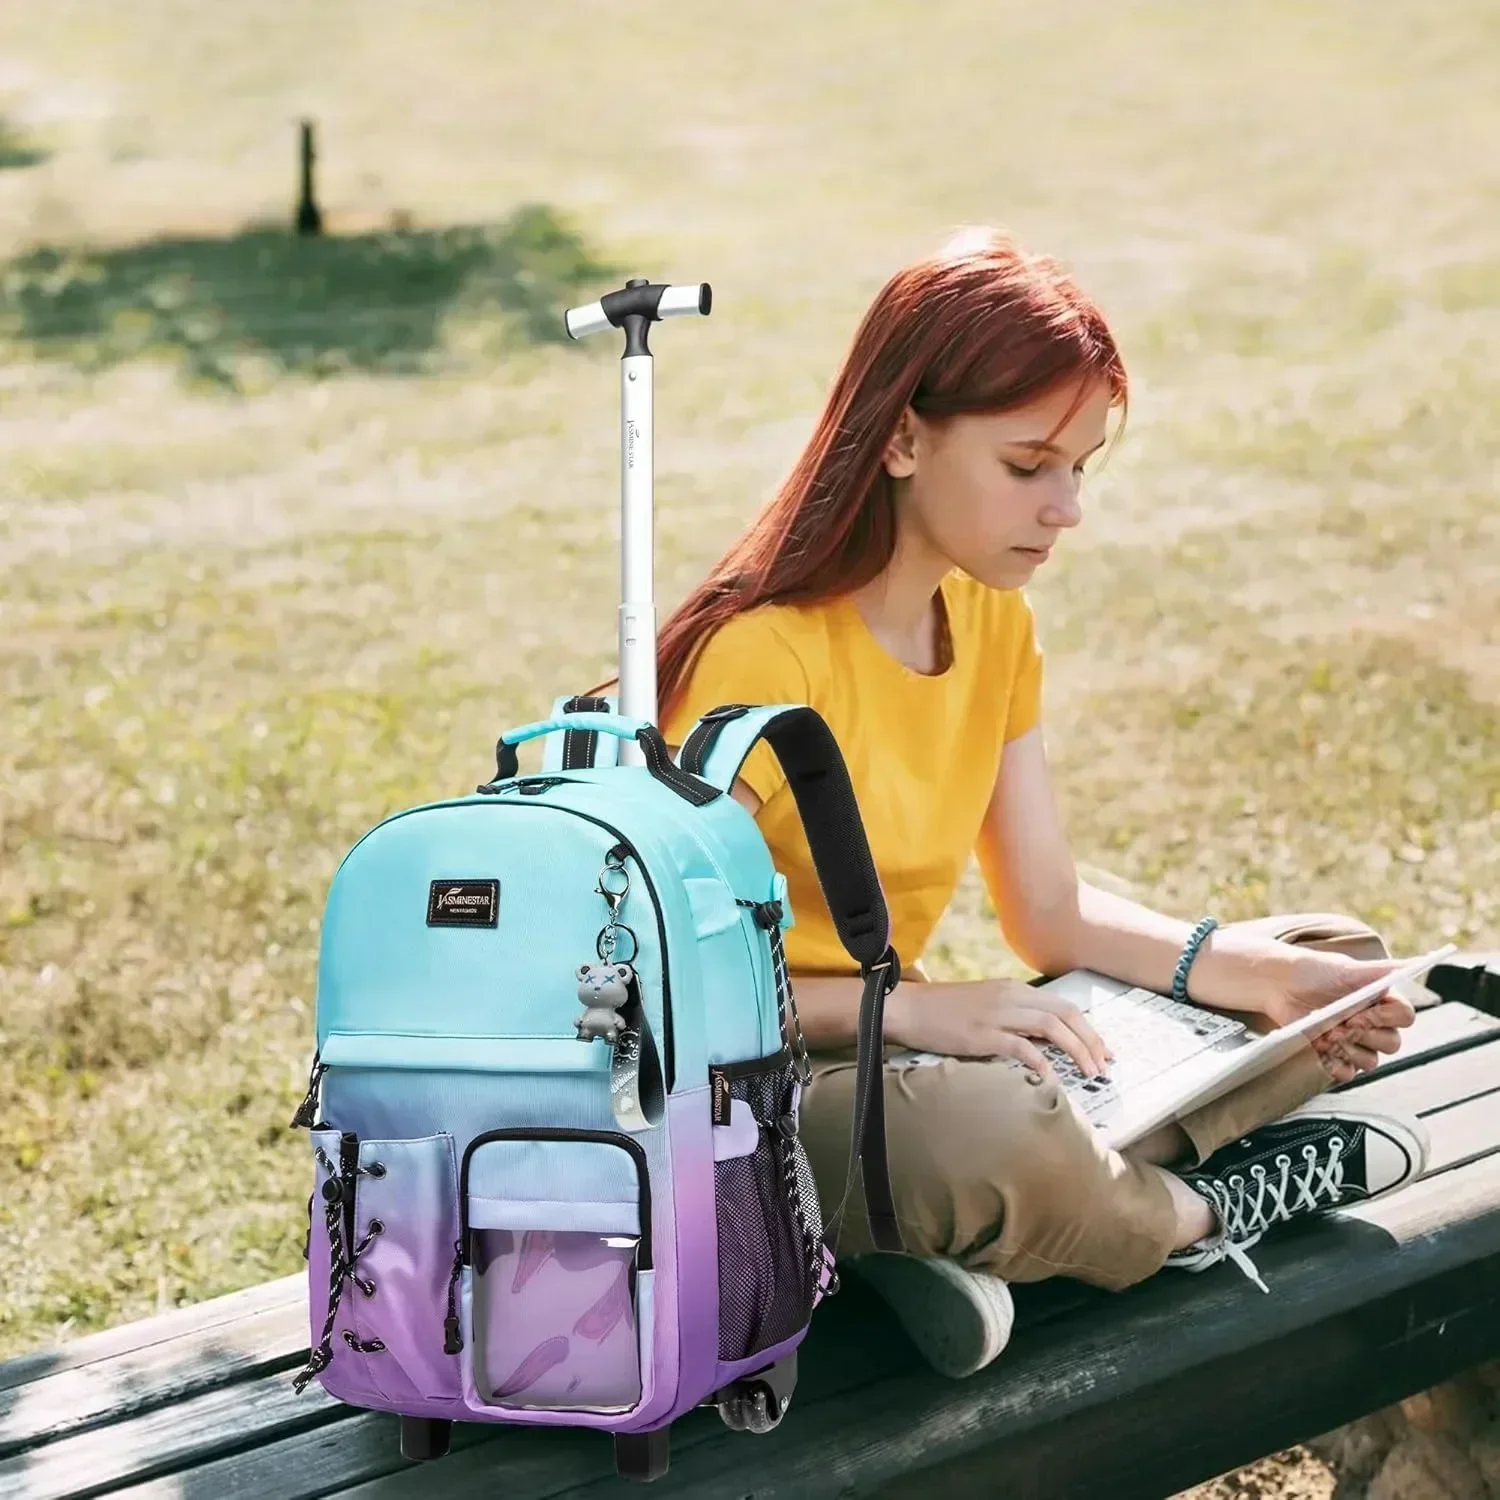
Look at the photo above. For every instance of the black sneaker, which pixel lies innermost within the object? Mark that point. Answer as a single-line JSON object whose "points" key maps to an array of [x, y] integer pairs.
{"points": [[1331, 1152]]}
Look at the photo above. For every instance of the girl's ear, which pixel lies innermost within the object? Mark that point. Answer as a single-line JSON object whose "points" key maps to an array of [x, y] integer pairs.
{"points": [[900, 455]]}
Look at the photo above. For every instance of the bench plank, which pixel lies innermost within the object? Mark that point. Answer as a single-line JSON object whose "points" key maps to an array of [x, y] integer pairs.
{"points": [[130, 1338], [1461, 1132], [1442, 1023], [225, 1420], [1457, 1099], [326, 1461], [1437, 1082], [271, 1336]]}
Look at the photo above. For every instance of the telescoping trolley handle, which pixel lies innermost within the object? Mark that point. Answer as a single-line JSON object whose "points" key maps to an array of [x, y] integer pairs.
{"points": [[634, 308]]}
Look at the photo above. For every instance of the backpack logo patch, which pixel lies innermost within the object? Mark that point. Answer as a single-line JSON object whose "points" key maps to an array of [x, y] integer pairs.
{"points": [[463, 903], [720, 1105]]}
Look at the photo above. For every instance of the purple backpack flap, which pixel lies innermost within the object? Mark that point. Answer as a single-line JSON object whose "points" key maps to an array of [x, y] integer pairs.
{"points": [[557, 1175]]}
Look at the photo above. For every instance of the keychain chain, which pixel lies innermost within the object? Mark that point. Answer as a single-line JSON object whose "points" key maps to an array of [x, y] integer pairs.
{"points": [[614, 886]]}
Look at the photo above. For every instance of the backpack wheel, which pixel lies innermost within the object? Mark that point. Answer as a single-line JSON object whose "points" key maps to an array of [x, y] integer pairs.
{"points": [[758, 1402], [754, 1409], [425, 1437], [643, 1456]]}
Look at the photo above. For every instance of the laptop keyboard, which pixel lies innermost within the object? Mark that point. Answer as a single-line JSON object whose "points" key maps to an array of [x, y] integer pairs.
{"points": [[1148, 1034]]}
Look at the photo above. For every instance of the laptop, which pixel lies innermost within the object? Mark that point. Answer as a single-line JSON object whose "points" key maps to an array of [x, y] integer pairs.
{"points": [[1171, 1057]]}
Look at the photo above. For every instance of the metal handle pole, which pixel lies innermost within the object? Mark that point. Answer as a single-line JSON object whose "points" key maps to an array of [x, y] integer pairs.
{"points": [[634, 308], [637, 603]]}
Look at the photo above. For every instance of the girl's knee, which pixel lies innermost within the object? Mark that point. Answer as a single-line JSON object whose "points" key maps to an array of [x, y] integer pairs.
{"points": [[980, 1119], [1006, 1176], [974, 1146]]}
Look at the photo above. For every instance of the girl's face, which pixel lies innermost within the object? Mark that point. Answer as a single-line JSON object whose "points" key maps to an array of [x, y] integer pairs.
{"points": [[992, 493]]}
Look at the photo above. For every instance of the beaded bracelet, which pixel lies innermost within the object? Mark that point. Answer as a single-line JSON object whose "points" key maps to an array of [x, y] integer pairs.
{"points": [[1189, 953]]}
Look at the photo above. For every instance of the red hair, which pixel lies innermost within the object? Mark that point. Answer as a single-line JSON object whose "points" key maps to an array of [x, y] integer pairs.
{"points": [[979, 326]]}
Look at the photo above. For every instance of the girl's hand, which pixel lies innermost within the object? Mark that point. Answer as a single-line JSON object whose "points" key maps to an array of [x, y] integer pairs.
{"points": [[993, 1018], [1308, 979]]}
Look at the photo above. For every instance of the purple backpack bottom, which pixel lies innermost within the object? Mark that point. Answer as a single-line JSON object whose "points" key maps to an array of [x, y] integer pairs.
{"points": [[573, 1276]]}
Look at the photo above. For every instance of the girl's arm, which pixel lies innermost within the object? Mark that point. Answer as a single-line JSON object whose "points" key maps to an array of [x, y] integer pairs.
{"points": [[1054, 921], [973, 1018]]}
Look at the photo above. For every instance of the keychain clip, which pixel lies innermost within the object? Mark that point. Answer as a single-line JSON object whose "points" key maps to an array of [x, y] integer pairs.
{"points": [[613, 865], [613, 899]]}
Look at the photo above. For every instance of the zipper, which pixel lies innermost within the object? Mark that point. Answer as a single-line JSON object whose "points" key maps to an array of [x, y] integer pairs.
{"points": [[753, 1067], [531, 786], [349, 1182], [558, 1133], [453, 1338], [669, 1061], [306, 1117]]}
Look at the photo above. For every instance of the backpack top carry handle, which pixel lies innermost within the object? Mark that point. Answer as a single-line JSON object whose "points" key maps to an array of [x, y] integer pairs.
{"points": [[634, 308]]}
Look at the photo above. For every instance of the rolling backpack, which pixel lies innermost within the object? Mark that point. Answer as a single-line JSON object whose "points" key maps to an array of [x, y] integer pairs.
{"points": [[557, 1178]]}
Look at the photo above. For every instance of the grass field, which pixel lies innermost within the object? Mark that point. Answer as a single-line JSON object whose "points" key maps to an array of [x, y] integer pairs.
{"points": [[289, 530]]}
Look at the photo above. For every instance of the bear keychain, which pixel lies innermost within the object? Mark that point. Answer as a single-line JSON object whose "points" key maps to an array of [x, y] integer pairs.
{"points": [[603, 989]]}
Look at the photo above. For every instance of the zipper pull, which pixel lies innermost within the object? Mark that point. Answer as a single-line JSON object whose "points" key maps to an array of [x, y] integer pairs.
{"points": [[527, 786], [453, 1339], [307, 1111], [348, 1187]]}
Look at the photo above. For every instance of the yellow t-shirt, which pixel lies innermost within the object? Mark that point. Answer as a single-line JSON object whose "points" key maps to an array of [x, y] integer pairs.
{"points": [[923, 750]]}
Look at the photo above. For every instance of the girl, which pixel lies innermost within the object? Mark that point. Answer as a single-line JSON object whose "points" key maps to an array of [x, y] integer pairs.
{"points": [[883, 586]]}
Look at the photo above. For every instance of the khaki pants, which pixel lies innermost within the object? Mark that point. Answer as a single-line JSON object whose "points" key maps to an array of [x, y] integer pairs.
{"points": [[1003, 1175]]}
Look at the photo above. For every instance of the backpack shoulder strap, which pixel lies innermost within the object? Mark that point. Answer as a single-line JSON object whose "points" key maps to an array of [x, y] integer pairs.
{"points": [[819, 779], [723, 737]]}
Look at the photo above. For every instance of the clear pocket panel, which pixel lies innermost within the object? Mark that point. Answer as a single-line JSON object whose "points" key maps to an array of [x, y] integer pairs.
{"points": [[557, 1238], [554, 1319]]}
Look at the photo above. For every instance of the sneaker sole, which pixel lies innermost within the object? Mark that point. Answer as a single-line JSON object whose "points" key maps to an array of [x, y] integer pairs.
{"points": [[959, 1322], [1405, 1134]]}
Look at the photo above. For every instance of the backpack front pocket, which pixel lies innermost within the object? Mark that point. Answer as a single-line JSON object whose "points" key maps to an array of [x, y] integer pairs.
{"points": [[388, 1211], [556, 1251]]}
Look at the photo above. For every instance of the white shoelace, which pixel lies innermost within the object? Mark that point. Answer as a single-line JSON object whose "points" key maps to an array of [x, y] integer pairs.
{"points": [[1246, 1209], [1237, 1254], [1251, 1207]]}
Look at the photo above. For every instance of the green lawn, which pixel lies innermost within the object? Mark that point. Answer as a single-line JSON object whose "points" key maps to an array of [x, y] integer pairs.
{"points": [[289, 530]]}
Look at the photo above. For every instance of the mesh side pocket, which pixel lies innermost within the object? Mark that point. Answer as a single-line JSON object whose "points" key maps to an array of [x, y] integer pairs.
{"points": [[807, 1195], [765, 1253]]}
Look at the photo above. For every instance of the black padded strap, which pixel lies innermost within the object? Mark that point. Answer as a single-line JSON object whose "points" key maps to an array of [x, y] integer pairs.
{"points": [[581, 746], [1470, 978], [867, 1146], [824, 794]]}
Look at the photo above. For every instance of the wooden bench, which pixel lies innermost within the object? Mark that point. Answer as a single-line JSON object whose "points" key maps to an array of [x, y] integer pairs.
{"points": [[1133, 1395]]}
